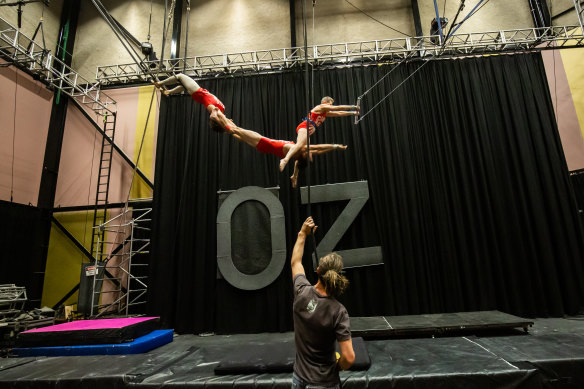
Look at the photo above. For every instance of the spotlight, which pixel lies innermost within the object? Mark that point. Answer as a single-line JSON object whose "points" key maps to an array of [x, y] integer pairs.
{"points": [[434, 28], [146, 48]]}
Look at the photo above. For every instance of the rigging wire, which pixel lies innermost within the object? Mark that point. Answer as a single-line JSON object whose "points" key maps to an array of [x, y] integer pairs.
{"points": [[89, 194], [150, 21], [307, 91], [13, 136], [473, 12], [380, 22], [394, 89], [187, 35]]}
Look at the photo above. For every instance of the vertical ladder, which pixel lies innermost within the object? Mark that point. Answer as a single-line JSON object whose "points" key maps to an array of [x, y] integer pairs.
{"points": [[103, 183]]}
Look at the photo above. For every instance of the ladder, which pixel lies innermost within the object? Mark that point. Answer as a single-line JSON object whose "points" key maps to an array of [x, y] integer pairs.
{"points": [[103, 183]]}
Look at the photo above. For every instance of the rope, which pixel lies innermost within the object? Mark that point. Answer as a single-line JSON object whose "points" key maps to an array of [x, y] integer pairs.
{"points": [[143, 134], [13, 136], [135, 56], [88, 196], [150, 21], [187, 35], [307, 89]]}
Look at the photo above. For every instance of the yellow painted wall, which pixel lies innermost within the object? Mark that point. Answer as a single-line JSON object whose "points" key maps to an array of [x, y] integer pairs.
{"points": [[64, 258], [573, 60], [144, 122]]}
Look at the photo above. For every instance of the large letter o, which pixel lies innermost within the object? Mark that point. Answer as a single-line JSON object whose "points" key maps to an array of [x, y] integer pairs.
{"points": [[278, 232]]}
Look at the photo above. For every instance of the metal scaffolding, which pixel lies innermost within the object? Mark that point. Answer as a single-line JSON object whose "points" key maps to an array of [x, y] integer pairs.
{"points": [[376, 51], [124, 254], [23, 52]]}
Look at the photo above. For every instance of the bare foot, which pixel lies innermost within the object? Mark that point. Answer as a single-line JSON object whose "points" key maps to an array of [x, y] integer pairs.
{"points": [[294, 180], [283, 163]]}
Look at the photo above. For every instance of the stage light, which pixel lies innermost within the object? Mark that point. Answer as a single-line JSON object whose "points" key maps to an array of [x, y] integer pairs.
{"points": [[146, 48], [434, 28]]}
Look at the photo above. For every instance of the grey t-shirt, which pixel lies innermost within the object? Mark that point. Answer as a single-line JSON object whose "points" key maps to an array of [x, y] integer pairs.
{"points": [[318, 321]]}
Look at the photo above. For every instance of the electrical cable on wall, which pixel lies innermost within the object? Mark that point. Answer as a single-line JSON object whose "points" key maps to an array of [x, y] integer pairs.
{"points": [[13, 136]]}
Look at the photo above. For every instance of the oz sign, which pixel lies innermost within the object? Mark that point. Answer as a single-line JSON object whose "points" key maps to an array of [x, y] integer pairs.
{"points": [[356, 192]]}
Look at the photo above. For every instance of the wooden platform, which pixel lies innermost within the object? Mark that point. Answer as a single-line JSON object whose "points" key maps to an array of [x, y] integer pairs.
{"points": [[435, 324]]}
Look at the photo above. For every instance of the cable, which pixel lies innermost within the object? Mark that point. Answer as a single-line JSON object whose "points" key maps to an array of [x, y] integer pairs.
{"points": [[307, 90], [474, 12], [150, 21], [412, 53], [312, 66], [555, 82], [393, 90], [133, 54], [366, 14], [444, 10], [89, 194], [13, 136], [187, 35]]}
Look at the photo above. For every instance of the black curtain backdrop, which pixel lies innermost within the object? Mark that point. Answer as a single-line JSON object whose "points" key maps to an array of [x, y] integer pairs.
{"points": [[21, 255], [577, 180], [469, 194]]}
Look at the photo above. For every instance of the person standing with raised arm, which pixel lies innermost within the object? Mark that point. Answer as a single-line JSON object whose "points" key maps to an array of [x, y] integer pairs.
{"points": [[318, 115], [319, 319]]}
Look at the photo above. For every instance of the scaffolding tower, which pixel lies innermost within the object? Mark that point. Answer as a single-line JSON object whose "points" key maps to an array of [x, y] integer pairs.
{"points": [[124, 254]]}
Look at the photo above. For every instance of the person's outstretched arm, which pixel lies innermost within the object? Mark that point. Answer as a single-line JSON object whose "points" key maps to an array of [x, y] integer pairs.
{"points": [[325, 148], [336, 110], [298, 251], [332, 114]]}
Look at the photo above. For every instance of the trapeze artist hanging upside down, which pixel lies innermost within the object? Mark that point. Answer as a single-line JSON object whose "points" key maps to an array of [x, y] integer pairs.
{"points": [[318, 115], [281, 148], [217, 120]]}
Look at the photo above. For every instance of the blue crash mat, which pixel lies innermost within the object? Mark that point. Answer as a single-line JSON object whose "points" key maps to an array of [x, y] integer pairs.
{"points": [[140, 345]]}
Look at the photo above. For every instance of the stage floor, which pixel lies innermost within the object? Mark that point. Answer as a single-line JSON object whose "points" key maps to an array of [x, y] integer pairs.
{"points": [[551, 355]]}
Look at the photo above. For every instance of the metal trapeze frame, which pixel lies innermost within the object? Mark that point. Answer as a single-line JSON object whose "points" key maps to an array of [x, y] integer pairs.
{"points": [[387, 50], [127, 264], [23, 52]]}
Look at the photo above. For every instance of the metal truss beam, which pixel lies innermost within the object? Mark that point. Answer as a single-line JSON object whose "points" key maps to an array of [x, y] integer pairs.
{"points": [[26, 54], [388, 50]]}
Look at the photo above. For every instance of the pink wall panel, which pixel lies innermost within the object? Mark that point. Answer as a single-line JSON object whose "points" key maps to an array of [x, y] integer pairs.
{"points": [[25, 111], [81, 153]]}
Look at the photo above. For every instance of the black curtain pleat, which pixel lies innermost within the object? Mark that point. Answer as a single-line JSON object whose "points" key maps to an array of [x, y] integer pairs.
{"points": [[470, 197]]}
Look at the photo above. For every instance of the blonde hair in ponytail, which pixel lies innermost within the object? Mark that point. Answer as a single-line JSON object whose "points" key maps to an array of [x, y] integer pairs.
{"points": [[330, 267]]}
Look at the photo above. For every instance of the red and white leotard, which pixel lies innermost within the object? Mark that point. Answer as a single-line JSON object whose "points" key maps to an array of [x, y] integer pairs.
{"points": [[203, 96], [316, 119], [272, 146]]}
